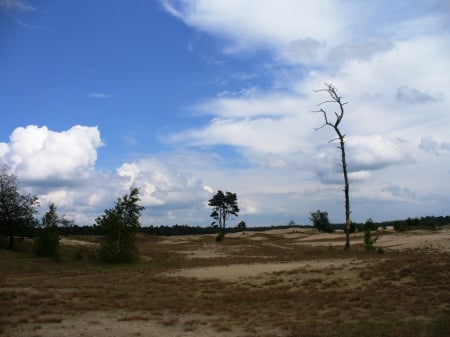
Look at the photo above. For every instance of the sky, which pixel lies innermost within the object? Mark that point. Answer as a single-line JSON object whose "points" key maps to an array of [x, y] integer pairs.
{"points": [[182, 98]]}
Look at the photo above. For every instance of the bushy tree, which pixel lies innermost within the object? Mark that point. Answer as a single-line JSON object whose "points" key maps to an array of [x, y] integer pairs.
{"points": [[46, 242], [119, 225], [241, 226], [224, 205], [320, 221], [17, 210], [370, 224]]}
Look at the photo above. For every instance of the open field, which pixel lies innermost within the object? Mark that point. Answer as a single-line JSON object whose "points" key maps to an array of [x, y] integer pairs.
{"points": [[277, 283]]}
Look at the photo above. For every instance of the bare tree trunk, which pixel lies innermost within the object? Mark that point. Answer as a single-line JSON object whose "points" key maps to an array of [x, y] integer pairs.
{"points": [[335, 98], [346, 192]]}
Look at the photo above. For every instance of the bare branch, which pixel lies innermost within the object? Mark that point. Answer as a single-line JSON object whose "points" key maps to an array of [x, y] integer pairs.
{"points": [[325, 102], [335, 98]]}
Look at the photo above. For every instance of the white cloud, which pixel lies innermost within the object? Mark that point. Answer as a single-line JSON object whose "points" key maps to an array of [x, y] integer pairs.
{"points": [[290, 26], [390, 65], [167, 184], [375, 152], [18, 5], [99, 95], [37, 153]]}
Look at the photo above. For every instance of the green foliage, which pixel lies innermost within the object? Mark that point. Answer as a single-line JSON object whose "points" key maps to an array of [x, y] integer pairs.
{"points": [[414, 223], [241, 226], [370, 224], [369, 240], [224, 205], [77, 255], [119, 225], [320, 221], [17, 210], [46, 243]]}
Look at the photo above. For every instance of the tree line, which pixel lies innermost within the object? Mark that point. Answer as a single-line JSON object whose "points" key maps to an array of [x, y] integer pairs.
{"points": [[319, 219], [119, 224]]}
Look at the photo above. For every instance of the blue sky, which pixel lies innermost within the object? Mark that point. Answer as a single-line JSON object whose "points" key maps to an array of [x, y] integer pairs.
{"points": [[182, 98]]}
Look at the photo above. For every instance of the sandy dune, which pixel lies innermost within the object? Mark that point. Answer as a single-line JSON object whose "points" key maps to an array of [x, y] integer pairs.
{"points": [[235, 272], [204, 249]]}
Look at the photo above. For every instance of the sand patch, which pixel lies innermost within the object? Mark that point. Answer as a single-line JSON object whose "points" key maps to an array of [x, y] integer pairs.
{"points": [[75, 242], [438, 240], [119, 324], [236, 272]]}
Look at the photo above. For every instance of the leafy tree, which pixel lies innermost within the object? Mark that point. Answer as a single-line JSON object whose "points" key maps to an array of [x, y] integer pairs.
{"points": [[335, 98], [119, 225], [369, 224], [320, 220], [47, 241], [224, 205], [17, 210], [241, 226]]}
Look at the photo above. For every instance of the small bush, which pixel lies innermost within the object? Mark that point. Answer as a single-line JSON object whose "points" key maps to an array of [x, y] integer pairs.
{"points": [[220, 237], [46, 244], [369, 240], [77, 255]]}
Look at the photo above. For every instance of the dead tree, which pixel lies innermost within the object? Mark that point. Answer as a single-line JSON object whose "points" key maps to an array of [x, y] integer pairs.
{"points": [[335, 98]]}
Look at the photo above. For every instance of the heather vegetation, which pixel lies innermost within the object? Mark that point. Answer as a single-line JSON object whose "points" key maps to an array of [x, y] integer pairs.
{"points": [[292, 282]]}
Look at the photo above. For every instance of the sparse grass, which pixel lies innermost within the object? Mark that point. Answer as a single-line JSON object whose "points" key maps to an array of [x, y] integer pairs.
{"points": [[394, 294]]}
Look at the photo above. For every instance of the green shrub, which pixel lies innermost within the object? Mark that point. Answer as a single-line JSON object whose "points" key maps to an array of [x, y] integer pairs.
{"points": [[46, 244], [220, 237], [369, 240]]}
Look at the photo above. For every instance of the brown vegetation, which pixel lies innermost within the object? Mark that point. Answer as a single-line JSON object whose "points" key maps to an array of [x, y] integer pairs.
{"points": [[276, 283]]}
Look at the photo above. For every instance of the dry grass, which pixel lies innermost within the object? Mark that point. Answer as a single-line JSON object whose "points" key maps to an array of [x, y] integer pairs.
{"points": [[395, 294]]}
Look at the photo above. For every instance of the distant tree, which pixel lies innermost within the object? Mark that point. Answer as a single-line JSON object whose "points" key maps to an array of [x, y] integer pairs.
{"points": [[119, 225], [291, 223], [17, 210], [46, 242], [224, 205], [370, 224], [335, 98], [241, 226], [320, 221]]}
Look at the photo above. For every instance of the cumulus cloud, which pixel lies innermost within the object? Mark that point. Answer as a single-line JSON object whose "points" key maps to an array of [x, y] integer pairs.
{"points": [[165, 185], [39, 154], [374, 152]]}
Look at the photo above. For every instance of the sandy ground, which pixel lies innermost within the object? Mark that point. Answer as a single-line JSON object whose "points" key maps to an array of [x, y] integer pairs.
{"points": [[237, 272], [122, 324], [111, 324], [73, 242]]}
